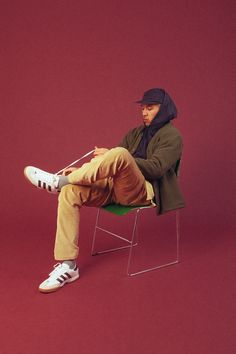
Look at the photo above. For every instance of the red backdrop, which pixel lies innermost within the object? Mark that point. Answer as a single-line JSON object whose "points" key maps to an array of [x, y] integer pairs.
{"points": [[70, 73], [71, 70]]}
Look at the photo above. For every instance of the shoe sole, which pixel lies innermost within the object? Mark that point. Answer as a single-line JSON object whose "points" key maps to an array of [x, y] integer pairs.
{"points": [[28, 180], [52, 290]]}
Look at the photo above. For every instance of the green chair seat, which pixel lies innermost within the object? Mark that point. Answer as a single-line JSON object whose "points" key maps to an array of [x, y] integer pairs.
{"points": [[119, 209]]}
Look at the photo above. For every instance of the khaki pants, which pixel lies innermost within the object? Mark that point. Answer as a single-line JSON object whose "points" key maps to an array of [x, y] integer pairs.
{"points": [[112, 177]]}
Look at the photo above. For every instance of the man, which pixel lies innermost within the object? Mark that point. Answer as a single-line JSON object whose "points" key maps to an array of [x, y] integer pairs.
{"points": [[142, 170]]}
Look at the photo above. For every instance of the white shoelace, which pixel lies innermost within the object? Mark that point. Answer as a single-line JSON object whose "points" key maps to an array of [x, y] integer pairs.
{"points": [[74, 162], [57, 268], [49, 181]]}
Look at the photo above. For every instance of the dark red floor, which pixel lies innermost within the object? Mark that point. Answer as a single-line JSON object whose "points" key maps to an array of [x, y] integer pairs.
{"points": [[184, 309]]}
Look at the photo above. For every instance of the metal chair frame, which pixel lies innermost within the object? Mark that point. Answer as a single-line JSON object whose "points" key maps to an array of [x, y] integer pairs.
{"points": [[131, 242]]}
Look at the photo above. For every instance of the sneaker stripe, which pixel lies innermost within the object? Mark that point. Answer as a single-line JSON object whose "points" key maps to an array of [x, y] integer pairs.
{"points": [[60, 281], [49, 188], [62, 276], [68, 275], [44, 185], [39, 184]]}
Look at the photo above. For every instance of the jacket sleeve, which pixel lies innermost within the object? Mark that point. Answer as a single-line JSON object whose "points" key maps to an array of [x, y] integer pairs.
{"points": [[165, 153]]}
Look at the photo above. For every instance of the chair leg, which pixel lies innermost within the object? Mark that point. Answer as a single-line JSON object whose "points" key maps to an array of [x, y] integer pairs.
{"points": [[95, 233], [177, 217], [161, 265], [134, 232], [132, 243], [97, 227]]}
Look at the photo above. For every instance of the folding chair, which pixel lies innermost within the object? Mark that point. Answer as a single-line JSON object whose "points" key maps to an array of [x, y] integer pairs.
{"points": [[120, 210]]}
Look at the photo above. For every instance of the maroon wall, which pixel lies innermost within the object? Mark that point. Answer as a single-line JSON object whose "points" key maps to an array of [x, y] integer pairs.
{"points": [[71, 70]]}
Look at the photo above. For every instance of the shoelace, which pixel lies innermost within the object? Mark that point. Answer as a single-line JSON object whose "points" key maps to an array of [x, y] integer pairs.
{"points": [[57, 268], [51, 181], [48, 176], [74, 162]]}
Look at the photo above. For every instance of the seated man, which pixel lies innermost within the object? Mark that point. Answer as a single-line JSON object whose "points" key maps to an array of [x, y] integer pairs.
{"points": [[140, 171]]}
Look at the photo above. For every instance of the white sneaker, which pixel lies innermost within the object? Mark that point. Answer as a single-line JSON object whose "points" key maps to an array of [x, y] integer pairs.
{"points": [[61, 275], [42, 179]]}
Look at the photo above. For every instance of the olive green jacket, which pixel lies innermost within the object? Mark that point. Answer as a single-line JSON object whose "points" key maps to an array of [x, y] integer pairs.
{"points": [[161, 166]]}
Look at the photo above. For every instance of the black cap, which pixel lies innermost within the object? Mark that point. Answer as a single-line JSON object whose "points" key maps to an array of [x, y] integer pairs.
{"points": [[153, 96]]}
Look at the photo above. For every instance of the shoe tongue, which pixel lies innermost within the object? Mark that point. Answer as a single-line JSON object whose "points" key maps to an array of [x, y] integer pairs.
{"points": [[66, 264], [56, 182], [69, 264]]}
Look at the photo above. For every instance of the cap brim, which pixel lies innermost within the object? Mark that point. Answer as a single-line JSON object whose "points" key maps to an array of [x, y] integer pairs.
{"points": [[148, 102]]}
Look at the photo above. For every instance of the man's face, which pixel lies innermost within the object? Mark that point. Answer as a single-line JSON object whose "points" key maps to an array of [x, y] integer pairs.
{"points": [[149, 111]]}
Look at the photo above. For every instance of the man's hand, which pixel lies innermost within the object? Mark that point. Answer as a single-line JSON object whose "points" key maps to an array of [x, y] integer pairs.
{"points": [[68, 170], [99, 151]]}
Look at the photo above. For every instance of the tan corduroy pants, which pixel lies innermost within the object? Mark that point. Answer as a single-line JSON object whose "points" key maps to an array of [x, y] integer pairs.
{"points": [[112, 177]]}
